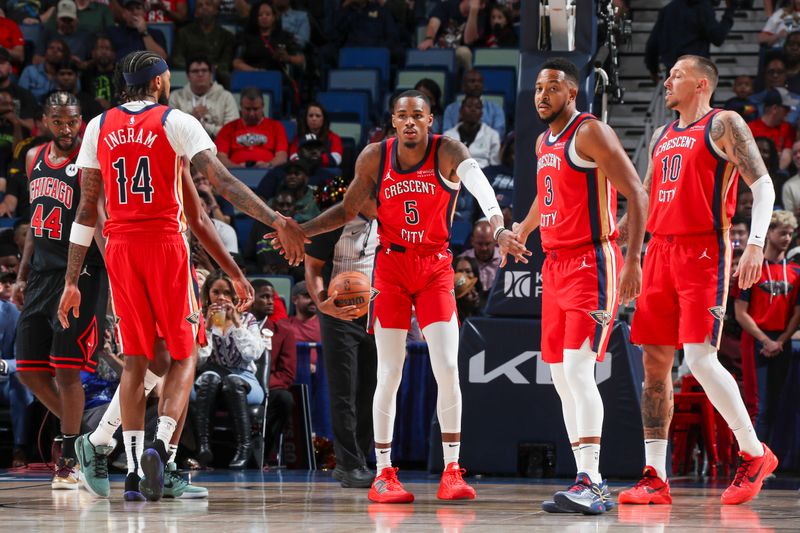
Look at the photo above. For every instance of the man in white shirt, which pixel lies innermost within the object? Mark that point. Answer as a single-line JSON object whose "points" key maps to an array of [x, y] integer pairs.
{"points": [[483, 142], [226, 233], [205, 99]]}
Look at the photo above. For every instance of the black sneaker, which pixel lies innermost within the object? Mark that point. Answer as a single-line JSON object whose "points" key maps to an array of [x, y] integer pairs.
{"points": [[132, 492], [152, 484]]}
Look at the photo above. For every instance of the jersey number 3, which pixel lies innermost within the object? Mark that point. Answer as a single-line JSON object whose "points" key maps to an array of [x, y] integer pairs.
{"points": [[140, 184]]}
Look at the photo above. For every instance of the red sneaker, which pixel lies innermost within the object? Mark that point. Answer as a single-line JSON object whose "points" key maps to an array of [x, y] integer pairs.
{"points": [[387, 489], [453, 486], [749, 477], [649, 489]]}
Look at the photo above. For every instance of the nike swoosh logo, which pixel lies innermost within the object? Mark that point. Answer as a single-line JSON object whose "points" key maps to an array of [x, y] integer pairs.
{"points": [[452, 445], [653, 491], [384, 451], [754, 478]]}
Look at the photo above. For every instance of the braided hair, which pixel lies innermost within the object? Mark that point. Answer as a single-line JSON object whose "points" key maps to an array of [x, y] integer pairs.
{"points": [[134, 62], [60, 99]]}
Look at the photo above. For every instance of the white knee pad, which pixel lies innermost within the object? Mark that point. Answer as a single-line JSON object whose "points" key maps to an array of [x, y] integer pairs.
{"points": [[442, 340], [391, 345], [579, 373], [567, 401]]}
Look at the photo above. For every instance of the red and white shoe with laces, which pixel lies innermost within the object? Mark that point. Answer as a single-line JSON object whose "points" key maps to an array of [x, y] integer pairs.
{"points": [[649, 489], [452, 486], [387, 488], [749, 477]]}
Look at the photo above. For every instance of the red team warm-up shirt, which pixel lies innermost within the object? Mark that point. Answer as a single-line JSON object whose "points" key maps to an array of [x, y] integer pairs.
{"points": [[561, 186], [243, 143], [772, 299], [415, 206], [685, 198]]}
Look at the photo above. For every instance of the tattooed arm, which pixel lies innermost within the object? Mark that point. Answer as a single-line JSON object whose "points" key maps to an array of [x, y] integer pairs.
{"points": [[362, 189], [91, 188], [730, 133], [648, 182], [237, 193]]}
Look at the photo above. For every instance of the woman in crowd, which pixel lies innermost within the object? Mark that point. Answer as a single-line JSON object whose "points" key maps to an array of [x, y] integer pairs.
{"points": [[314, 120], [227, 363]]}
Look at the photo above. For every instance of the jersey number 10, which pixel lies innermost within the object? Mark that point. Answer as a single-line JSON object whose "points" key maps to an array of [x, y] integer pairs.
{"points": [[140, 184], [670, 168]]}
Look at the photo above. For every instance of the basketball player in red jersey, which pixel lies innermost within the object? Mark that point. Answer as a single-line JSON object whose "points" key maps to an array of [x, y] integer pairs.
{"points": [[415, 179], [135, 152], [581, 164], [695, 163]]}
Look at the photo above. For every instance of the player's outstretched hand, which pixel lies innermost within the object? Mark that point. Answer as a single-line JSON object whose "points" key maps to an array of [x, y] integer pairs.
{"points": [[346, 312], [70, 300], [245, 293], [749, 269], [511, 243], [292, 240], [630, 281]]}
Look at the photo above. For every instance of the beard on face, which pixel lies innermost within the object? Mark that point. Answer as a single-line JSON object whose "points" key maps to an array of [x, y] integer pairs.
{"points": [[67, 144], [553, 116], [410, 144]]}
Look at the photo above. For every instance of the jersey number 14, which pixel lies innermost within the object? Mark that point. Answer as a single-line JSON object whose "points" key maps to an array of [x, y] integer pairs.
{"points": [[139, 184]]}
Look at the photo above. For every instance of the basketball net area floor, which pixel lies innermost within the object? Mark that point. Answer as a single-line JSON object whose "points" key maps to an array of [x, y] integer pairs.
{"points": [[296, 501]]}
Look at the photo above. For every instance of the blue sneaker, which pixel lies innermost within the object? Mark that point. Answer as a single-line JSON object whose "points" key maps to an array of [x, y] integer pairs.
{"points": [[132, 492], [152, 484], [582, 497], [550, 506]]}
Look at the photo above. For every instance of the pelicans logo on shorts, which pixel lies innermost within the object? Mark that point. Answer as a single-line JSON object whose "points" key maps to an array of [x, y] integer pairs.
{"points": [[718, 311], [602, 317], [194, 318], [373, 293]]}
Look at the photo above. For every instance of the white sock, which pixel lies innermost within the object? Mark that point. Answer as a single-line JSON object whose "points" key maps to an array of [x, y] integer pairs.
{"points": [[590, 461], [721, 389], [655, 455], [173, 452], [165, 429], [576, 452], [134, 447], [383, 459], [451, 451], [103, 435]]}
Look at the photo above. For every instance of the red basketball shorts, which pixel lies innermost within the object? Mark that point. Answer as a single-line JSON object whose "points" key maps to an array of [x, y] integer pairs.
{"points": [[579, 299], [153, 290], [684, 289], [403, 278]]}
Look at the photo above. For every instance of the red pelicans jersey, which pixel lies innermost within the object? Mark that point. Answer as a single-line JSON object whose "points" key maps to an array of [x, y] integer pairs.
{"points": [[694, 186], [577, 204], [415, 206], [141, 172]]}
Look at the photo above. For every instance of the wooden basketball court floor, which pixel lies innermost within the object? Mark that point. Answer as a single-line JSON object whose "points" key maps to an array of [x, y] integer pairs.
{"points": [[291, 501]]}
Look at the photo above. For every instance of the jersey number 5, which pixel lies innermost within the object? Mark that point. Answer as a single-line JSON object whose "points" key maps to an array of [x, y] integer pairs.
{"points": [[140, 184], [412, 215]]}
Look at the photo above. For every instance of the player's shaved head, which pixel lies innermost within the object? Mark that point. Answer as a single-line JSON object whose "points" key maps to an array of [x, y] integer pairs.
{"points": [[704, 68]]}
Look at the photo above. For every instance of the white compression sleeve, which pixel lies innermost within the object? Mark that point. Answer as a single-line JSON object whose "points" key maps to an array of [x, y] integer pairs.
{"points": [[567, 400], [579, 373], [391, 344], [442, 340], [473, 178], [763, 203]]}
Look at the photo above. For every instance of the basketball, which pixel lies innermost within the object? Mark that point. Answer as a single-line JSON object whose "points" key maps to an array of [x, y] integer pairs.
{"points": [[353, 288]]}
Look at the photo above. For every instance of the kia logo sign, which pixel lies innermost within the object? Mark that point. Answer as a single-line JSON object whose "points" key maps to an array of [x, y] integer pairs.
{"points": [[509, 369], [517, 284]]}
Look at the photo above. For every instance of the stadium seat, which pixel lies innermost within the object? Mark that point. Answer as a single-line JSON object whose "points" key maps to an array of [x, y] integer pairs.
{"points": [[243, 224], [459, 234], [433, 57], [178, 79], [364, 57], [408, 78], [266, 80], [346, 105], [267, 102], [349, 130], [168, 29], [249, 176], [497, 57], [356, 80], [291, 129], [501, 80], [30, 32]]}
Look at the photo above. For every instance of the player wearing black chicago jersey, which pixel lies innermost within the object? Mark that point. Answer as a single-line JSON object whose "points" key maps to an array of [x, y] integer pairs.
{"points": [[44, 348]]}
